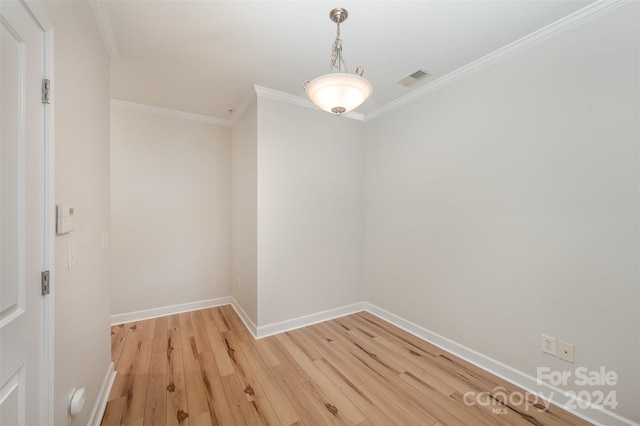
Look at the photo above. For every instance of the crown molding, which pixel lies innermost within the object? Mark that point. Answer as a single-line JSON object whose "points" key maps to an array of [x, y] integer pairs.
{"points": [[104, 26], [558, 27], [579, 17], [170, 112], [239, 111], [297, 100]]}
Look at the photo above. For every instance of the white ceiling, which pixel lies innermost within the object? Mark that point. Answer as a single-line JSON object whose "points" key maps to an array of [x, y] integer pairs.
{"points": [[204, 57]]}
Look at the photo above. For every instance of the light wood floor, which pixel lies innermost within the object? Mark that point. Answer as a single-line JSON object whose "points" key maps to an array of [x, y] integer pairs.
{"points": [[204, 368]]}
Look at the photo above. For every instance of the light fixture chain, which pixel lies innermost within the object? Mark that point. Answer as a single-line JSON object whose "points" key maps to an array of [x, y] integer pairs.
{"points": [[337, 61], [338, 92]]}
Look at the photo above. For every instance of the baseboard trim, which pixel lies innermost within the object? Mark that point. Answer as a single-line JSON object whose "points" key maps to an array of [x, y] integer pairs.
{"points": [[248, 322], [169, 310], [528, 383], [306, 320], [103, 396]]}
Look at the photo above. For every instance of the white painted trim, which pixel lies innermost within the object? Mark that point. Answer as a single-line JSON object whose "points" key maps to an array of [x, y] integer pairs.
{"points": [[297, 100], [570, 21], [38, 14], [276, 95], [306, 320], [50, 229], [238, 112], [528, 383], [103, 397], [48, 303], [169, 310], [104, 26], [170, 112], [248, 322], [525, 381], [579, 17]]}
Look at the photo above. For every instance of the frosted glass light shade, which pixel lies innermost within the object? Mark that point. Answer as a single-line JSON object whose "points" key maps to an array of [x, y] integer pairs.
{"points": [[339, 92]]}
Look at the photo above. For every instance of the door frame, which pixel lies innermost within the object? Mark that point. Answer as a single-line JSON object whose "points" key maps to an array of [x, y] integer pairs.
{"points": [[49, 225]]}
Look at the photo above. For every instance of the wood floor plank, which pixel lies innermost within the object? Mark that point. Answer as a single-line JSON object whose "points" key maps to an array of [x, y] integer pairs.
{"points": [[265, 412], [505, 417], [405, 336], [136, 422], [415, 366], [202, 420], [243, 370], [473, 377], [287, 360], [327, 352], [360, 371], [155, 412], [323, 404], [137, 384], [443, 408], [335, 332], [194, 385], [148, 328], [205, 368], [301, 341], [205, 315], [284, 411], [118, 336], [219, 349], [199, 332], [219, 410], [177, 410], [160, 335], [125, 363], [390, 406], [354, 392], [389, 381], [186, 330], [420, 355], [241, 409], [235, 325], [113, 411], [267, 355], [220, 321], [338, 400], [295, 396], [388, 353]]}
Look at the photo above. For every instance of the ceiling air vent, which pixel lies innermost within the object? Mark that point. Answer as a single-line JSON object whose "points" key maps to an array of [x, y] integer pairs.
{"points": [[414, 77]]}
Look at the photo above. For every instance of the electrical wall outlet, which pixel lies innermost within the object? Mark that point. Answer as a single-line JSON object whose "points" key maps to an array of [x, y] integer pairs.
{"points": [[549, 345], [566, 351]]}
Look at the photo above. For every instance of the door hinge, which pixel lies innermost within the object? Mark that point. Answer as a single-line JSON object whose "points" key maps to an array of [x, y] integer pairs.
{"points": [[46, 90], [45, 283]]}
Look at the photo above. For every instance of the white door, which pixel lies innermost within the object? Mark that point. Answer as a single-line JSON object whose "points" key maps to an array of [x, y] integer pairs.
{"points": [[22, 205]]}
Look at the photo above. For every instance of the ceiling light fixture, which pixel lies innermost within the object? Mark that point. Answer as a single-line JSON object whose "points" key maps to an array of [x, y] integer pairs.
{"points": [[338, 92]]}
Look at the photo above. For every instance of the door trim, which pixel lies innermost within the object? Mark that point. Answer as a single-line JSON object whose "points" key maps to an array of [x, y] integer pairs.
{"points": [[48, 302]]}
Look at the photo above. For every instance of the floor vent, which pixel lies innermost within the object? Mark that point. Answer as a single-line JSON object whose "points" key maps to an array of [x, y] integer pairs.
{"points": [[414, 77]]}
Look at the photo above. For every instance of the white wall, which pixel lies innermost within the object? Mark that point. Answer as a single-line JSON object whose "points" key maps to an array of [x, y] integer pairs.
{"points": [[505, 205], [170, 211], [81, 102], [244, 222], [310, 218]]}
